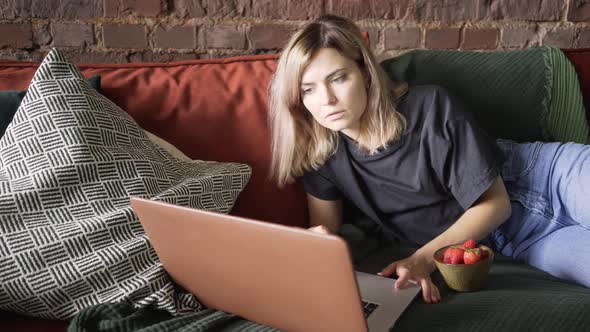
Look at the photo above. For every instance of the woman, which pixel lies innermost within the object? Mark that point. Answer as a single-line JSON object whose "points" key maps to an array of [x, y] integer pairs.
{"points": [[417, 165]]}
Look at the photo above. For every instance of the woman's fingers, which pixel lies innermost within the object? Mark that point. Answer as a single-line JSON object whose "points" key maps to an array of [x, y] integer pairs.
{"points": [[430, 292], [435, 296], [402, 280], [408, 272], [388, 270]]}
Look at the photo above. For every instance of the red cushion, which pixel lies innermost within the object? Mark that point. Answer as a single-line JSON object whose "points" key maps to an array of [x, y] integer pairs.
{"points": [[580, 58], [209, 109]]}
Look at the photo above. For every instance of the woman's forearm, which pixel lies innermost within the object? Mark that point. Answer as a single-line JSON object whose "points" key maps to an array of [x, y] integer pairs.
{"points": [[489, 212]]}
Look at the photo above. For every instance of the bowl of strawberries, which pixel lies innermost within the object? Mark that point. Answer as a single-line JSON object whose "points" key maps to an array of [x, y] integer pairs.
{"points": [[464, 266]]}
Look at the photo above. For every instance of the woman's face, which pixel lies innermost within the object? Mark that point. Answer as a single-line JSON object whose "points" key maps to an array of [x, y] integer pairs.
{"points": [[333, 90]]}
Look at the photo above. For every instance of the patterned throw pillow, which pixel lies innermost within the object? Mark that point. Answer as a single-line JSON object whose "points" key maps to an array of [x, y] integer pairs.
{"points": [[69, 161]]}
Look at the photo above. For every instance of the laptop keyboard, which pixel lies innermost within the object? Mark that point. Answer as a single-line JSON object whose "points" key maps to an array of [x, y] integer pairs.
{"points": [[369, 307]]}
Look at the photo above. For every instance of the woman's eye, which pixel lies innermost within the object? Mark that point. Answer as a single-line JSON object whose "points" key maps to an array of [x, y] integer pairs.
{"points": [[306, 91], [339, 79]]}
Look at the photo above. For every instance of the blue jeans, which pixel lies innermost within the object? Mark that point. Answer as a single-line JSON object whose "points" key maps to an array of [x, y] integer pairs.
{"points": [[549, 188]]}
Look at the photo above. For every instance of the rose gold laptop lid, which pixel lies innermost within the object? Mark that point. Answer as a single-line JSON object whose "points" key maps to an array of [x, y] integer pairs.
{"points": [[284, 277]]}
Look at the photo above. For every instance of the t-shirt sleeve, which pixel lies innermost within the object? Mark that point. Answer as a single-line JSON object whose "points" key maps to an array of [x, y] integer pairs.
{"points": [[318, 185], [471, 160]]}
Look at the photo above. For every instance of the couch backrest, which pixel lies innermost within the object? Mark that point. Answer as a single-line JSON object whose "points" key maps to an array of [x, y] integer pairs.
{"points": [[209, 109], [215, 110]]}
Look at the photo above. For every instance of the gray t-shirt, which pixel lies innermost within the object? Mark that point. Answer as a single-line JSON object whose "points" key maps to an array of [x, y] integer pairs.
{"points": [[420, 185]]}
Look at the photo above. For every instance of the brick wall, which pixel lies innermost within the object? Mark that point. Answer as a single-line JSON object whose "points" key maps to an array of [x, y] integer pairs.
{"points": [[165, 30]]}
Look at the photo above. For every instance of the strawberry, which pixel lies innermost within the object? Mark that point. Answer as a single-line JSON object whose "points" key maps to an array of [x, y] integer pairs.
{"points": [[453, 255], [447, 256], [472, 256], [470, 244]]}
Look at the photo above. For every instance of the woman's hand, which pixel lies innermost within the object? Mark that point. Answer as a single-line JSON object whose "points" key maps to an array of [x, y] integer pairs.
{"points": [[415, 269]]}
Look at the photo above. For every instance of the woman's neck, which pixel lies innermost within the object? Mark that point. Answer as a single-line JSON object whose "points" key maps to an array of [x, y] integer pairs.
{"points": [[363, 145]]}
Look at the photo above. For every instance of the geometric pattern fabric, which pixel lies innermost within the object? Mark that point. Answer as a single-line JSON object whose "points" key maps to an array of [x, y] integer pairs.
{"points": [[69, 161]]}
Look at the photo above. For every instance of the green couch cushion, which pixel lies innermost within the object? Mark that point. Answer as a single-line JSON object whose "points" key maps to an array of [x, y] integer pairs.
{"points": [[524, 95]]}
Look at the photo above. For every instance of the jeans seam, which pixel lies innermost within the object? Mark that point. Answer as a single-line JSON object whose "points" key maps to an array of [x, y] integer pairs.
{"points": [[575, 223], [532, 162], [550, 217], [517, 193]]}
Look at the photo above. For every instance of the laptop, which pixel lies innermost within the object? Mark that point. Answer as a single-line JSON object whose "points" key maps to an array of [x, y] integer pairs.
{"points": [[284, 277]]}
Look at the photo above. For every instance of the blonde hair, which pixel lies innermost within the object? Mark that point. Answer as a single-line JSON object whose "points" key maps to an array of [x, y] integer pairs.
{"points": [[298, 142]]}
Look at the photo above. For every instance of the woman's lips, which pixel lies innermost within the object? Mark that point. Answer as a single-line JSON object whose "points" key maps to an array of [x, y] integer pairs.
{"points": [[335, 115]]}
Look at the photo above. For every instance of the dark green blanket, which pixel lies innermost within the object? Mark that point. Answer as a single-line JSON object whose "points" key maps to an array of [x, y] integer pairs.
{"points": [[516, 298], [118, 317]]}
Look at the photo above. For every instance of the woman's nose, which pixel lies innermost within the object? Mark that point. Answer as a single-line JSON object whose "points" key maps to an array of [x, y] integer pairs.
{"points": [[328, 96]]}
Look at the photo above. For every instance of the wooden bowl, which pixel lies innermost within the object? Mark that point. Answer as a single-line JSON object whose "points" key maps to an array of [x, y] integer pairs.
{"points": [[464, 277]]}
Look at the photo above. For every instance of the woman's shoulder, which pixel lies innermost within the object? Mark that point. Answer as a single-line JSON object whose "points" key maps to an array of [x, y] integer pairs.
{"points": [[430, 107], [432, 98], [426, 91], [420, 99]]}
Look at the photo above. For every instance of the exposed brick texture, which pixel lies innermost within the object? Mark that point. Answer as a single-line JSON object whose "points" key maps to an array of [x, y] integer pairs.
{"points": [[124, 36], [41, 33], [560, 37], [227, 8], [481, 39], [400, 38], [18, 35], [377, 9], [531, 10], [44, 8], [224, 36], [269, 9], [76, 55], [515, 37], [446, 10], [448, 38], [11, 9], [394, 9], [269, 36], [21, 55], [150, 8], [66, 9], [175, 37], [354, 9], [583, 37], [72, 34], [305, 9], [579, 11], [188, 8], [153, 56], [167, 30]]}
